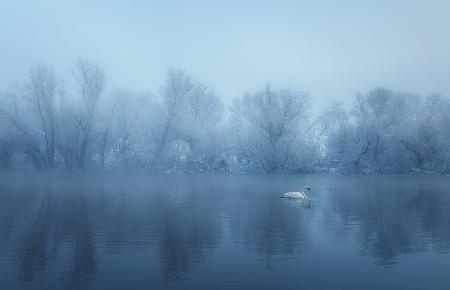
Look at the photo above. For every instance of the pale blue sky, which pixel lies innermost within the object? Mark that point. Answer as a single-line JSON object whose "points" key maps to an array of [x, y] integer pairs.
{"points": [[331, 49]]}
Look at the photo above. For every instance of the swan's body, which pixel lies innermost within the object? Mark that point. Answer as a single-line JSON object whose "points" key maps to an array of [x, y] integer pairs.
{"points": [[297, 194]]}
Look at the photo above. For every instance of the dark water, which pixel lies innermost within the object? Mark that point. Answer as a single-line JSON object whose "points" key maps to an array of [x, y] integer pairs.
{"points": [[223, 232]]}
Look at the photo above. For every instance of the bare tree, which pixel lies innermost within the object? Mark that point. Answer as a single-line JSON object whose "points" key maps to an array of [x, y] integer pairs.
{"points": [[32, 114], [91, 81], [43, 96], [5, 136]]}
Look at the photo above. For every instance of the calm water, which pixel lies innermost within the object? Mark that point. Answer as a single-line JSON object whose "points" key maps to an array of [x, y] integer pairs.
{"points": [[67, 231]]}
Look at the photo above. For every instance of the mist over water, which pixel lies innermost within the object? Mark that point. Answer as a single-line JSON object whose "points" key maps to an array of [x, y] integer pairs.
{"points": [[95, 231]]}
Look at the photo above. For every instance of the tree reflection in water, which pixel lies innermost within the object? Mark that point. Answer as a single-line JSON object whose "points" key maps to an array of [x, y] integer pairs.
{"points": [[395, 215], [83, 231]]}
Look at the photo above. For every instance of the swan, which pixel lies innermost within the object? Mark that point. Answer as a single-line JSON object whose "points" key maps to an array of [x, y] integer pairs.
{"points": [[299, 195]]}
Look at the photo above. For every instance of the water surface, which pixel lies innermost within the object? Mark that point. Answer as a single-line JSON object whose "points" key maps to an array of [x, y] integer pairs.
{"points": [[111, 231]]}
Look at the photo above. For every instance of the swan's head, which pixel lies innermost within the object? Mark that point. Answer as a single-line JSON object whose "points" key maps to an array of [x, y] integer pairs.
{"points": [[307, 188]]}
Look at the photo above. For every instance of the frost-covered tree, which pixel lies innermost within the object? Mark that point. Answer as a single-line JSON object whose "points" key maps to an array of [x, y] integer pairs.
{"points": [[438, 107], [271, 127], [334, 133], [376, 115], [187, 128], [363, 139], [190, 113], [390, 132], [418, 134], [131, 134]]}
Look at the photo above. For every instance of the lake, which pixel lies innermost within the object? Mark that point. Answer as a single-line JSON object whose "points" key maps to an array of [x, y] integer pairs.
{"points": [[138, 231]]}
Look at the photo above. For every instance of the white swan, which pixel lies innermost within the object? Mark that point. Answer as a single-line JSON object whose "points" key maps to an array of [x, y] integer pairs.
{"points": [[299, 195]]}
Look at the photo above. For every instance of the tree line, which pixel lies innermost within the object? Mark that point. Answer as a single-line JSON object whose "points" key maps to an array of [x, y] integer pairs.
{"points": [[187, 127]]}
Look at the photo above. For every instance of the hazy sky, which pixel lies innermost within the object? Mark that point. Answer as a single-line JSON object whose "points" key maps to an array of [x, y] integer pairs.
{"points": [[331, 49]]}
